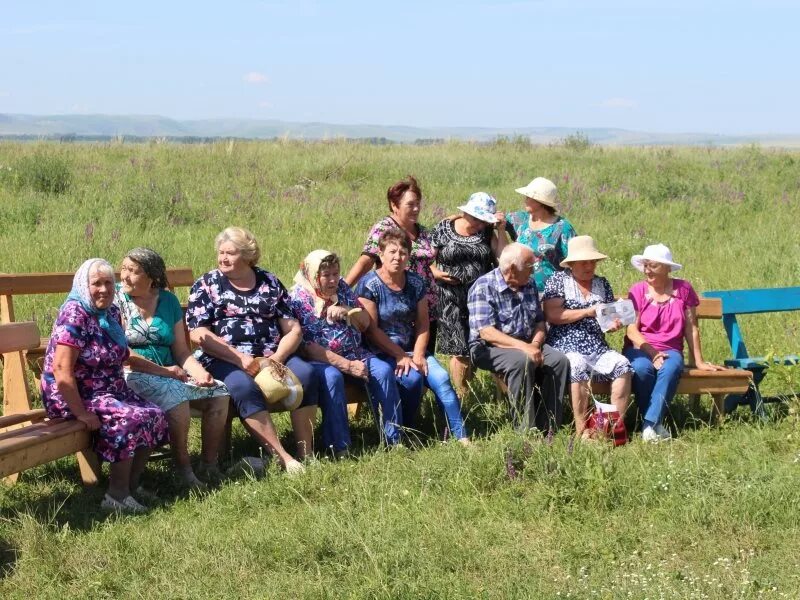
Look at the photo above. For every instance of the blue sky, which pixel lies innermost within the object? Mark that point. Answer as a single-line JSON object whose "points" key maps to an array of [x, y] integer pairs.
{"points": [[717, 67]]}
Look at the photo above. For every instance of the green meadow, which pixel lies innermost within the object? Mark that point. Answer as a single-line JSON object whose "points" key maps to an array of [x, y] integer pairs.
{"points": [[713, 514]]}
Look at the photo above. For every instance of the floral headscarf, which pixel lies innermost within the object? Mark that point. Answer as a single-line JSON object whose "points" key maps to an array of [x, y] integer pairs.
{"points": [[80, 293], [306, 278]]}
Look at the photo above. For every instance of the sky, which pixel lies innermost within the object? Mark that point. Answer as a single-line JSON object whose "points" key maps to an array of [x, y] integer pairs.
{"points": [[728, 67]]}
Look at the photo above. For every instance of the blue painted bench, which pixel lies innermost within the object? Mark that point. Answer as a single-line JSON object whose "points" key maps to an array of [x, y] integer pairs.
{"points": [[753, 301]]}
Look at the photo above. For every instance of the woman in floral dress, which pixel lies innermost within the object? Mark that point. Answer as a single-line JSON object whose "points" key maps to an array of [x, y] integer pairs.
{"points": [[82, 379], [333, 321]]}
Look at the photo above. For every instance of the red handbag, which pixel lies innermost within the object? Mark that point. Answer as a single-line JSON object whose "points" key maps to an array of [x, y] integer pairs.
{"points": [[608, 424]]}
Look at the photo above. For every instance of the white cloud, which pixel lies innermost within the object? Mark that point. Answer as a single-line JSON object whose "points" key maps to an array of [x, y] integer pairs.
{"points": [[618, 103], [255, 78]]}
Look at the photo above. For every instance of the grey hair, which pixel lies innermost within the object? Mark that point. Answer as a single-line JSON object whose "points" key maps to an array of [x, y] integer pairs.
{"points": [[101, 267], [243, 240], [515, 255], [152, 264]]}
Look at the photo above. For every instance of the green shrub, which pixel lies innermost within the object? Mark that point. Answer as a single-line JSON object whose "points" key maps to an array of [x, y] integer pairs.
{"points": [[44, 172]]}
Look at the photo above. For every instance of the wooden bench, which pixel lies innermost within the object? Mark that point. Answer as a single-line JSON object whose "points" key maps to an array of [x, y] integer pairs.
{"points": [[694, 382], [747, 302], [28, 438]]}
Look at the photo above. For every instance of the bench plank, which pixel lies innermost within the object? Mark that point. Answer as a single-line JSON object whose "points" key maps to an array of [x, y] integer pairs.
{"points": [[18, 336], [759, 300], [18, 284], [30, 416], [32, 448]]}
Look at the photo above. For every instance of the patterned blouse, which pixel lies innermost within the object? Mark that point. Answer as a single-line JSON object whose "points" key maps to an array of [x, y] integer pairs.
{"points": [[584, 336], [248, 320], [423, 254], [397, 310], [151, 340], [549, 245], [465, 257], [338, 337]]}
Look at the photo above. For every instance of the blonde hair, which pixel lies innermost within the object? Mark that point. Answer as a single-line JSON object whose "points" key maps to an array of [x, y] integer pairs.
{"points": [[244, 241]]}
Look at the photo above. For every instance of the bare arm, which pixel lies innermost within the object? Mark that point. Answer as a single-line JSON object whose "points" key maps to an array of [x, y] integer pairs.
{"points": [[182, 355], [64, 359], [377, 336], [215, 346], [533, 349], [316, 352], [291, 337], [692, 334], [556, 314], [499, 239], [362, 266]]}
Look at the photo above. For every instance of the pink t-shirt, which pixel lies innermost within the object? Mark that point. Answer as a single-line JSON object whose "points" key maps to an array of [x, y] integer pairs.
{"points": [[662, 324]]}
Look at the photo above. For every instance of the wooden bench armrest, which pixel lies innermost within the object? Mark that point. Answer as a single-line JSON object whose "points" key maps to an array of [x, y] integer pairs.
{"points": [[29, 416]]}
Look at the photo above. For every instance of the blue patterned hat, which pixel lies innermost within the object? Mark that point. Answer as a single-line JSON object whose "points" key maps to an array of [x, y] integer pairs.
{"points": [[481, 206]]}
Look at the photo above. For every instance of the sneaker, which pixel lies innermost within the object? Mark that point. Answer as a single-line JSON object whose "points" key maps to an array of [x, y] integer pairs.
{"points": [[209, 473], [649, 434], [145, 495], [662, 432], [126, 506], [191, 483]]}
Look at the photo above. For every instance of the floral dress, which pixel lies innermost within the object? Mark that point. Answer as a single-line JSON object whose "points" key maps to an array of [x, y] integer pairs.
{"points": [[154, 341], [248, 321], [423, 254], [126, 421], [549, 245], [583, 342], [465, 257], [338, 337]]}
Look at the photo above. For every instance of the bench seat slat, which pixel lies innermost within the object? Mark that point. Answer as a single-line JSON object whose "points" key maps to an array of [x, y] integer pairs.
{"points": [[17, 455], [29, 416], [695, 381]]}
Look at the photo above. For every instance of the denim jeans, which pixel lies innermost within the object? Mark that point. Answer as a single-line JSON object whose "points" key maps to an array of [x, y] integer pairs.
{"points": [[654, 388], [412, 385], [383, 393]]}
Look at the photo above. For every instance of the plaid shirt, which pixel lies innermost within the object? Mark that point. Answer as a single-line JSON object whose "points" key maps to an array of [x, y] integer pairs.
{"points": [[492, 303]]}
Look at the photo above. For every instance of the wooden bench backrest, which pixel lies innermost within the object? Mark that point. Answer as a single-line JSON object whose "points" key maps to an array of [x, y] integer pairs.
{"points": [[18, 336], [18, 284], [709, 308], [740, 302]]}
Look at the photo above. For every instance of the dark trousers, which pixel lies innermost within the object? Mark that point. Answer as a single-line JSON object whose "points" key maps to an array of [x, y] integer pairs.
{"points": [[536, 393]]}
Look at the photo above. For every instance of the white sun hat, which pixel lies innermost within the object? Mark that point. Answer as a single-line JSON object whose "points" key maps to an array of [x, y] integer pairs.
{"points": [[656, 253], [542, 190], [581, 247], [481, 206]]}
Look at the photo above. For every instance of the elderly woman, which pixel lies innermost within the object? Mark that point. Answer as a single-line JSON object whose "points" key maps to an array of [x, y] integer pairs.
{"points": [[82, 379], [467, 247], [570, 306], [540, 228], [332, 321], [396, 302], [404, 199], [164, 370], [237, 314], [666, 316]]}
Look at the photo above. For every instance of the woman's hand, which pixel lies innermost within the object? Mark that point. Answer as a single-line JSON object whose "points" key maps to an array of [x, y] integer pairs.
{"points": [[420, 363], [89, 419], [204, 379], [501, 221], [404, 365], [707, 366], [177, 372], [658, 360], [249, 364], [615, 326], [357, 368], [337, 313], [444, 276]]}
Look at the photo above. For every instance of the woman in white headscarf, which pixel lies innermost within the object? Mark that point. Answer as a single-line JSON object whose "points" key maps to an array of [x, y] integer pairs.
{"points": [[83, 379]]}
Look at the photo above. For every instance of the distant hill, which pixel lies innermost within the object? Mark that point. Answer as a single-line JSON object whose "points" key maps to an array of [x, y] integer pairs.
{"points": [[150, 126]]}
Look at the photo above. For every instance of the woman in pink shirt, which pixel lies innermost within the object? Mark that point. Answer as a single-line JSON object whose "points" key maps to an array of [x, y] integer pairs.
{"points": [[666, 315]]}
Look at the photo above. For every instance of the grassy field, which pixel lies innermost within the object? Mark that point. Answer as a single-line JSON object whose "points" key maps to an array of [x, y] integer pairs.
{"points": [[712, 515]]}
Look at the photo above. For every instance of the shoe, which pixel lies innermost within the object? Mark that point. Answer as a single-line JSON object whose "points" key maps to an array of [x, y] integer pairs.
{"points": [[145, 495], [649, 434], [294, 468], [209, 473], [191, 483], [662, 432], [126, 506]]}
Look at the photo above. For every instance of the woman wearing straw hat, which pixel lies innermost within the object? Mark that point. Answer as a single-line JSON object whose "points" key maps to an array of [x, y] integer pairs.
{"points": [[540, 227], [466, 248], [570, 304], [666, 316]]}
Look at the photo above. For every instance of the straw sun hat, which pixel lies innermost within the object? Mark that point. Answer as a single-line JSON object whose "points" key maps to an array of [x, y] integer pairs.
{"points": [[542, 190], [656, 253], [280, 387], [581, 247]]}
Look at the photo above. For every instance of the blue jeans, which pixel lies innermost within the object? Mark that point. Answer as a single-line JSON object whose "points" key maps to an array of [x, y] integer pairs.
{"points": [[438, 381], [654, 388], [383, 393]]}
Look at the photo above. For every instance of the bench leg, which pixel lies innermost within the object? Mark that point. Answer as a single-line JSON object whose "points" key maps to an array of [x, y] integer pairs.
{"points": [[718, 407], [354, 410], [89, 465]]}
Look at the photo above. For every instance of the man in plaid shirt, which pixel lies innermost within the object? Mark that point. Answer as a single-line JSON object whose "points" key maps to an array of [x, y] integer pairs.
{"points": [[506, 336]]}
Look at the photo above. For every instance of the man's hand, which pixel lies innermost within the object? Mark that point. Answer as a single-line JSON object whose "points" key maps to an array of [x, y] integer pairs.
{"points": [[534, 352]]}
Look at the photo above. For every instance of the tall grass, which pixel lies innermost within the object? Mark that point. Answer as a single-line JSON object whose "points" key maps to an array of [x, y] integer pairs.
{"points": [[712, 515]]}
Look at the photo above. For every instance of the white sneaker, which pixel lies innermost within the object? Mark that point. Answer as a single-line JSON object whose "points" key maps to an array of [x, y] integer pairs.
{"points": [[294, 468], [650, 435], [662, 432], [127, 506]]}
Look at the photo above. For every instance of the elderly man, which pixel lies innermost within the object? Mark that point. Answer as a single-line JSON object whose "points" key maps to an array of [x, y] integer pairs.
{"points": [[506, 336]]}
